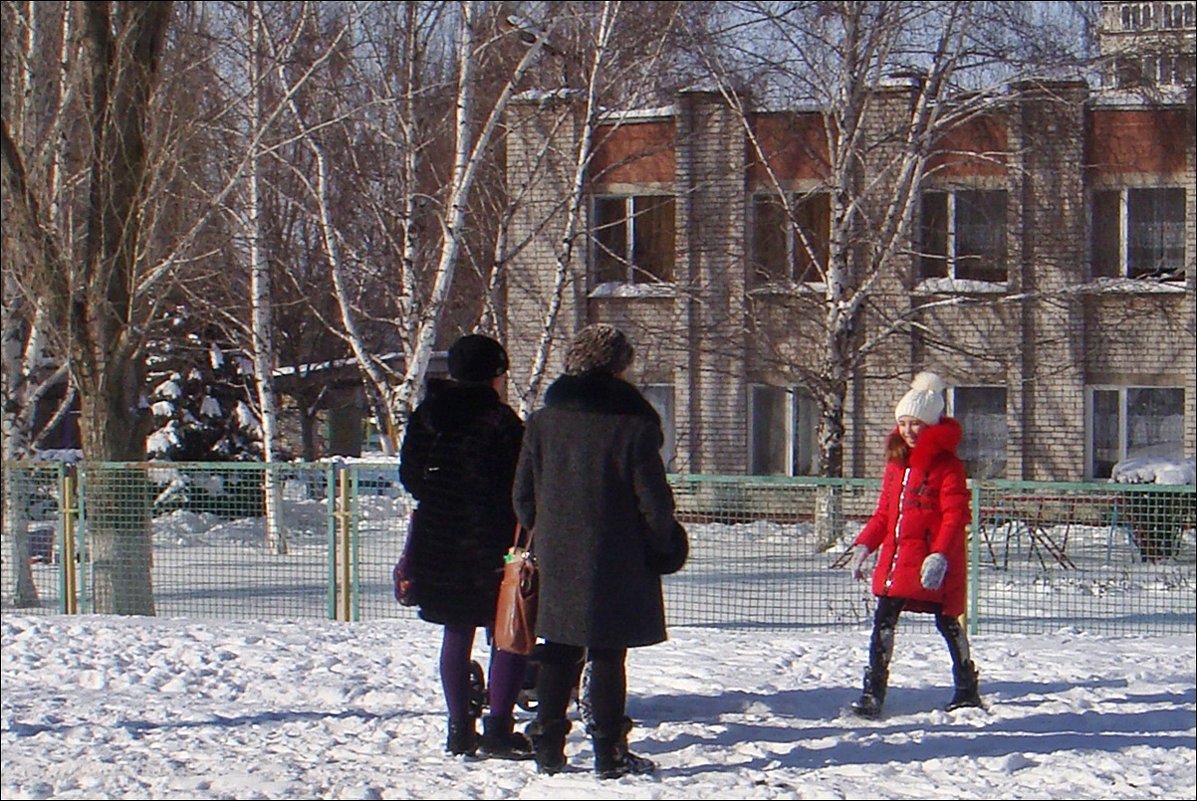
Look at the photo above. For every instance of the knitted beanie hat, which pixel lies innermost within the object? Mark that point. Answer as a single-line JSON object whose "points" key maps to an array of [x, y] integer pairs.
{"points": [[598, 348], [924, 400], [476, 359]]}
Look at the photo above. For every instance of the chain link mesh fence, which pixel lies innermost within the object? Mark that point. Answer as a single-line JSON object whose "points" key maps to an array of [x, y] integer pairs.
{"points": [[320, 540]]}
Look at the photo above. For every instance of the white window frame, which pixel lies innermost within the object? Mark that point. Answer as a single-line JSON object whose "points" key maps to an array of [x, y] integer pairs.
{"points": [[633, 273], [800, 434], [1123, 424], [951, 256], [793, 242], [1123, 269], [662, 398]]}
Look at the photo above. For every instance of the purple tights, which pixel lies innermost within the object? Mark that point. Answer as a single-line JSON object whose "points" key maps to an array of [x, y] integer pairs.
{"points": [[503, 685]]}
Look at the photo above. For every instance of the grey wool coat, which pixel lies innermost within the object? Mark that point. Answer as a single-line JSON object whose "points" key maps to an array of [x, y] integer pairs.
{"points": [[591, 486]]}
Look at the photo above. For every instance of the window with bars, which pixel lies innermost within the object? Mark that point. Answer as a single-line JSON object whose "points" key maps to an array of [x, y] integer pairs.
{"points": [[790, 248], [1137, 232], [1131, 423], [963, 234], [633, 239]]}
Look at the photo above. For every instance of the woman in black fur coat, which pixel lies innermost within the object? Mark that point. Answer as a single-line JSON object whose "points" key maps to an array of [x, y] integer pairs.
{"points": [[458, 459]]}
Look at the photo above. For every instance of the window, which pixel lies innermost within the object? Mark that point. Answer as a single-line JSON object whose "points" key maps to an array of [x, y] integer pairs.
{"points": [[964, 235], [1136, 16], [782, 424], [633, 238], [1134, 422], [1138, 232], [785, 250], [661, 397], [981, 412]]}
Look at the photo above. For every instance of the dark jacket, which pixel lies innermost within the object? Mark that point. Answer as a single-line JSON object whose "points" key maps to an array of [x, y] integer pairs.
{"points": [[923, 509], [591, 486], [457, 460]]}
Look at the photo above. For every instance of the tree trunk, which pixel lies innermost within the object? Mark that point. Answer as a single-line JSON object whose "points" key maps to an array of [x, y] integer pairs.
{"points": [[16, 524], [106, 347], [117, 511], [262, 302]]}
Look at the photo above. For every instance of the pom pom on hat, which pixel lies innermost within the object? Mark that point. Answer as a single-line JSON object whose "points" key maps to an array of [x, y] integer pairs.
{"points": [[476, 359], [924, 400], [928, 382]]}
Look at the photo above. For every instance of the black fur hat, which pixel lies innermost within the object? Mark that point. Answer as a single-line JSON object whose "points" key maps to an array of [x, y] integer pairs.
{"points": [[476, 359], [598, 348]]}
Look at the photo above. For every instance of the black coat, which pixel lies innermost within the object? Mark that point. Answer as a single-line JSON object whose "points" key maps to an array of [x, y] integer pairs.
{"points": [[457, 461], [591, 485]]}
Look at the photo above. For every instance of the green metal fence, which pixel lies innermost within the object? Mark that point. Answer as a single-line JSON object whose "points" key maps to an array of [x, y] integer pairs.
{"points": [[319, 540]]}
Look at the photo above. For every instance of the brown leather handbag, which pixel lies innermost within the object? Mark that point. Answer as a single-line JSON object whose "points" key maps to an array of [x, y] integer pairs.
{"points": [[515, 617]]}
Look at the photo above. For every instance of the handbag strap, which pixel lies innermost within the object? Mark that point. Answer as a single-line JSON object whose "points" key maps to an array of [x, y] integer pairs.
{"points": [[516, 542]]}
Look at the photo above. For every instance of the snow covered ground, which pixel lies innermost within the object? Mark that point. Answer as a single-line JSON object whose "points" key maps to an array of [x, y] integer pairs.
{"points": [[180, 706], [111, 707]]}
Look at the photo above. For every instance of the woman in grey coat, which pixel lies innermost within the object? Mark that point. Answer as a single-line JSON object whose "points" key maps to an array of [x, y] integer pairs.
{"points": [[591, 486]]}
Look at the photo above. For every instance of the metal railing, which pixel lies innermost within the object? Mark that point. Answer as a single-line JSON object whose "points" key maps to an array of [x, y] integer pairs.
{"points": [[318, 540]]}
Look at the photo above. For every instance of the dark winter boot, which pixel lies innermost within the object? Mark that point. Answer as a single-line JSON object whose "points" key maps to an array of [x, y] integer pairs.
{"points": [[613, 759], [873, 695], [463, 737], [500, 740], [548, 744], [967, 693]]}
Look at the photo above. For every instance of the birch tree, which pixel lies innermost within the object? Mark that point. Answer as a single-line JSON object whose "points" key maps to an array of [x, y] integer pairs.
{"points": [[261, 298], [31, 371], [619, 59]]}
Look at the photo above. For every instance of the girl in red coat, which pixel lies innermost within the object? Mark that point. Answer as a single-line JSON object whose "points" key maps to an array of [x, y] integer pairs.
{"points": [[919, 528]]}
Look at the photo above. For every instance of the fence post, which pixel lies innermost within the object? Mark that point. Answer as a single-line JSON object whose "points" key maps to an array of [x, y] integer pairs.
{"points": [[332, 484], [353, 553], [343, 566], [972, 563], [66, 554]]}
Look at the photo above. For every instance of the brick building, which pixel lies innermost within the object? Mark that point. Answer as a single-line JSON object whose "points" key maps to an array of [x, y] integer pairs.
{"points": [[1049, 276]]}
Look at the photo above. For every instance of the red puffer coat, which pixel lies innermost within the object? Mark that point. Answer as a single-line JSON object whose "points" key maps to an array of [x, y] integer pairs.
{"points": [[923, 509]]}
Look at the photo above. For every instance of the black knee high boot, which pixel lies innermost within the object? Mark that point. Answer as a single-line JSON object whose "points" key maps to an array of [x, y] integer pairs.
{"points": [[548, 744], [964, 671], [967, 690], [872, 697], [881, 648], [555, 682], [612, 758]]}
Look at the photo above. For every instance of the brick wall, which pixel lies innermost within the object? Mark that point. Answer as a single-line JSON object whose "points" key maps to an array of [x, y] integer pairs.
{"points": [[1047, 339]]}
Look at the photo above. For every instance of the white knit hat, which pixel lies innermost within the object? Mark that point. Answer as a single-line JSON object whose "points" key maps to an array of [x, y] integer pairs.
{"points": [[924, 400]]}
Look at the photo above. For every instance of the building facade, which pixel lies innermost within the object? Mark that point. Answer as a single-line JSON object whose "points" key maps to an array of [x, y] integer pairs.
{"points": [[1148, 44], [1047, 274]]}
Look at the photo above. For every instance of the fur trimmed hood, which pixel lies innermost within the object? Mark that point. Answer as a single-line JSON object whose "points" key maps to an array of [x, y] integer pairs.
{"points": [[943, 437]]}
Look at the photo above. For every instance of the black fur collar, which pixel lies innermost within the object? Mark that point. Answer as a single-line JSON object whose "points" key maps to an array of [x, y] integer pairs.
{"points": [[599, 393], [450, 405]]}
